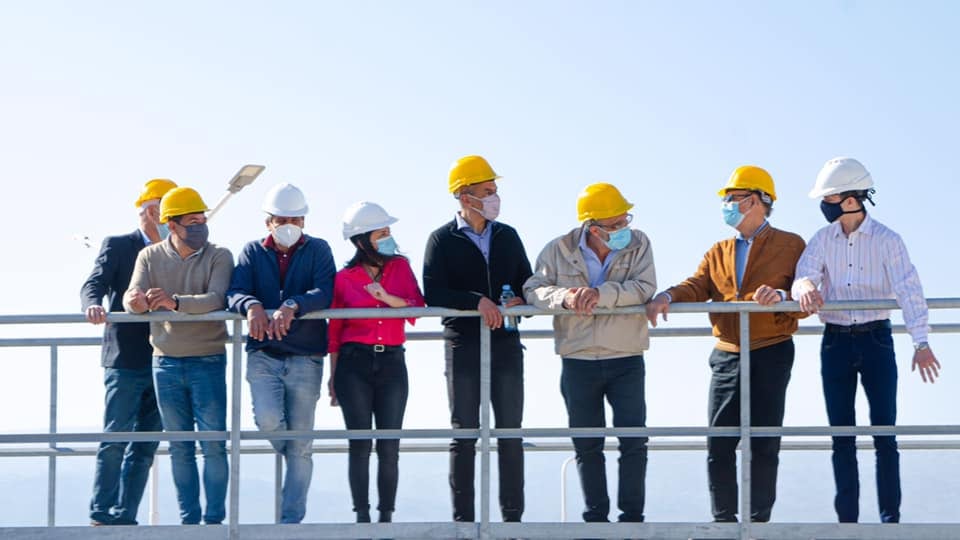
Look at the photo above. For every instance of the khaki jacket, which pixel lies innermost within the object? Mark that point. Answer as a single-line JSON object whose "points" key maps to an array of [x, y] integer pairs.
{"points": [[630, 281], [772, 262]]}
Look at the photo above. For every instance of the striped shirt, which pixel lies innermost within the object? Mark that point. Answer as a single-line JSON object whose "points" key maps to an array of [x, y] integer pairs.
{"points": [[870, 264]]}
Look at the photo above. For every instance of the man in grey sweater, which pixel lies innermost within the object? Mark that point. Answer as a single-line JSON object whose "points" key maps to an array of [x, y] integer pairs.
{"points": [[188, 274]]}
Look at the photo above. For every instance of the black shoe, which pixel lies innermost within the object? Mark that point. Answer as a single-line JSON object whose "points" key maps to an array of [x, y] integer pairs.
{"points": [[386, 516], [363, 516]]}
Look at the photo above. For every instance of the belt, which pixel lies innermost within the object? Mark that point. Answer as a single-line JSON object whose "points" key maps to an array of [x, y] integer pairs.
{"points": [[377, 348], [858, 328]]}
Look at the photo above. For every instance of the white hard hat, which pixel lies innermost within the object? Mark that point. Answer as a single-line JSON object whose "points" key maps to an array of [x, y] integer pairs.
{"points": [[285, 200], [363, 217], [841, 174]]}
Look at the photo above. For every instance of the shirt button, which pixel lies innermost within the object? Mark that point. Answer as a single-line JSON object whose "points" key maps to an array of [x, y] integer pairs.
{"points": [[379, 322]]}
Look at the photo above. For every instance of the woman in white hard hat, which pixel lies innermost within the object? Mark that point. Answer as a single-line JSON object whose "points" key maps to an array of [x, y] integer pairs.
{"points": [[368, 375]]}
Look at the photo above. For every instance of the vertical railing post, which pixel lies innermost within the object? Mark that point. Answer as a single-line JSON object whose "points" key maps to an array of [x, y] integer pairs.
{"points": [[484, 431], [746, 456], [278, 486], [234, 528], [52, 460], [155, 492]]}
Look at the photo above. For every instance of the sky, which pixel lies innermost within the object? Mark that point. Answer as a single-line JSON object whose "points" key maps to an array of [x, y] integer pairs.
{"points": [[374, 100]]}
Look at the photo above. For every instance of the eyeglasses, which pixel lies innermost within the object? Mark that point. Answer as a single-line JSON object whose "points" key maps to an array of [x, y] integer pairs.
{"points": [[620, 224], [736, 197]]}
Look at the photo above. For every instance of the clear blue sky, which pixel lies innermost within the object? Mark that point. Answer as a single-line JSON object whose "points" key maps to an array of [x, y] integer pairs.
{"points": [[374, 100]]}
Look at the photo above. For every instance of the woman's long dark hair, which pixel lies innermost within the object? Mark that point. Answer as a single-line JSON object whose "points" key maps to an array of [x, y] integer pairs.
{"points": [[366, 253]]}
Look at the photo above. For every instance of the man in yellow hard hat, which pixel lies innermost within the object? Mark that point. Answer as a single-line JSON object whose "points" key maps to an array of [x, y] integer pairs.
{"points": [[130, 404], [468, 263], [756, 265], [603, 263], [188, 274]]}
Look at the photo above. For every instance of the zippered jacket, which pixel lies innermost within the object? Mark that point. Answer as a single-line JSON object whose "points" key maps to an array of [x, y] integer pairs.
{"points": [[308, 281], [631, 280], [455, 274]]}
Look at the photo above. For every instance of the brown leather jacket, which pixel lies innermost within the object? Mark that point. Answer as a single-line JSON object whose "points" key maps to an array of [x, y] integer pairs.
{"points": [[772, 262]]}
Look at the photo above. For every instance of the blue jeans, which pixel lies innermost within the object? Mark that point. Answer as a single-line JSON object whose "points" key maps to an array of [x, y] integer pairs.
{"points": [[285, 391], [193, 391], [122, 468], [844, 355], [506, 397], [584, 384], [371, 386]]}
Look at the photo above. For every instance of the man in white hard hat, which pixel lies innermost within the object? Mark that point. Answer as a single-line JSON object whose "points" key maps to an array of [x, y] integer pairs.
{"points": [[466, 264], [130, 403], [857, 258], [756, 265], [188, 274], [292, 274], [603, 263]]}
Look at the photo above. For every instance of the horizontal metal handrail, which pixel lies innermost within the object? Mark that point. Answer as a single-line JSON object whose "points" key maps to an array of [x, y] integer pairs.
{"points": [[366, 313]]}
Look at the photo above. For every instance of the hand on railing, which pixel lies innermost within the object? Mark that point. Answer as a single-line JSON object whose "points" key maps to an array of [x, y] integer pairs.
{"points": [[490, 313], [96, 315], [660, 305]]}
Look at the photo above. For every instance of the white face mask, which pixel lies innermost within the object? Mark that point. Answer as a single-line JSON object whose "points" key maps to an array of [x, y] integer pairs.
{"points": [[287, 235], [491, 206]]}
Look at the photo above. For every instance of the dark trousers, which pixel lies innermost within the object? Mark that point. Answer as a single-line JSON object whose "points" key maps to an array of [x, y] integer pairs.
{"points": [[584, 385], [506, 396], [130, 404], [769, 374], [843, 356], [370, 386]]}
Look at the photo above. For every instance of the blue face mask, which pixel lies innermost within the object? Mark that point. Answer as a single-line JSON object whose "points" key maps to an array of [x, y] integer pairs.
{"points": [[387, 246], [163, 230], [619, 239], [731, 213]]}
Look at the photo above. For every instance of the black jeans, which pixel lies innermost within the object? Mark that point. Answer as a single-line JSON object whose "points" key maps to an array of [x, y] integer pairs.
{"points": [[506, 396], [372, 384], [769, 374], [584, 384]]}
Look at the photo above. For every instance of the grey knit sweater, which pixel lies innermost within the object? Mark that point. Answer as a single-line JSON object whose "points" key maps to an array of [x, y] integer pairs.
{"points": [[200, 283]]}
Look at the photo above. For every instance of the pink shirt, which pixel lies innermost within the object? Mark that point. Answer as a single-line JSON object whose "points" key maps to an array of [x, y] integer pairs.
{"points": [[348, 292]]}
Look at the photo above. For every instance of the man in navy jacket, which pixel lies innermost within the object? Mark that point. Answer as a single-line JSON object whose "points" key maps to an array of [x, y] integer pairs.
{"points": [[292, 274], [467, 262], [130, 403]]}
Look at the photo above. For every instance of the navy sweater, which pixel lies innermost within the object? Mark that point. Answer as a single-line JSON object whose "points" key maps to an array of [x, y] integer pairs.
{"points": [[309, 282]]}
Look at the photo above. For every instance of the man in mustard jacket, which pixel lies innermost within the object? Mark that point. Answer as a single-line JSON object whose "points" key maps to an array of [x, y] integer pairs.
{"points": [[756, 265], [603, 263]]}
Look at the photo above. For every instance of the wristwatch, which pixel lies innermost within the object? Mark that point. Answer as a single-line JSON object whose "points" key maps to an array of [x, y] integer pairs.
{"points": [[921, 346], [292, 304]]}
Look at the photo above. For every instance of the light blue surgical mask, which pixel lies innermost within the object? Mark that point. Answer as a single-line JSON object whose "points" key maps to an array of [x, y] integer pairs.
{"points": [[731, 213], [619, 239], [387, 246], [163, 230]]}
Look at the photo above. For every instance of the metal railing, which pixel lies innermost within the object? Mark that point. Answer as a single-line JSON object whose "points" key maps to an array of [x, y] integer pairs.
{"points": [[484, 529]]}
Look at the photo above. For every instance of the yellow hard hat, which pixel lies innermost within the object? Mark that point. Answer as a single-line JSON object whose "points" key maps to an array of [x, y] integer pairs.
{"points": [[470, 170], [154, 189], [181, 201], [752, 178], [601, 201]]}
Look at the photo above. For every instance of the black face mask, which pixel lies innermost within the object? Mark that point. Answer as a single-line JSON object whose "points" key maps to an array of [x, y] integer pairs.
{"points": [[833, 211]]}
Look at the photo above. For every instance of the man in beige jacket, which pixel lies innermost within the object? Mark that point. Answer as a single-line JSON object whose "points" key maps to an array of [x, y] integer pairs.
{"points": [[603, 263]]}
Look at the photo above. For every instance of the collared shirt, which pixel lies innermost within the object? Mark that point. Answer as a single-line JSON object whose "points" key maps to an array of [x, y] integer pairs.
{"points": [[742, 251], [596, 270], [482, 240], [146, 239], [870, 264], [283, 258], [349, 292]]}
